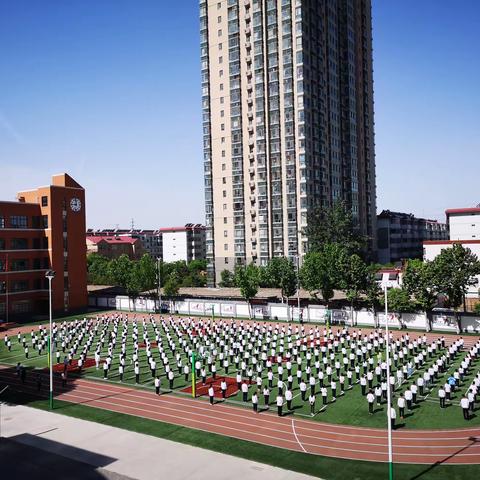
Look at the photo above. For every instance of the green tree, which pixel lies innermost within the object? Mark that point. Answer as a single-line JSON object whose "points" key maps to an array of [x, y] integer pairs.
{"points": [[373, 292], [228, 279], [455, 270], [172, 287], [120, 269], [281, 273], [196, 275], [476, 308], [419, 282], [146, 273], [247, 279], [333, 225], [98, 270], [399, 301], [134, 283], [353, 281], [321, 271]]}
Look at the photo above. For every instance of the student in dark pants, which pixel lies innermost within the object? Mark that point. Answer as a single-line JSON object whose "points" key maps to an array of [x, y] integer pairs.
{"points": [[211, 394], [279, 405], [255, 402]]}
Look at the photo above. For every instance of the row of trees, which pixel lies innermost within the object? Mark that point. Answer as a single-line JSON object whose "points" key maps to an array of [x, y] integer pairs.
{"points": [[142, 275]]}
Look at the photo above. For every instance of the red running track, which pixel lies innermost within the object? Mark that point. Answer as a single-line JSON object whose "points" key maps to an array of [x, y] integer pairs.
{"points": [[458, 446]]}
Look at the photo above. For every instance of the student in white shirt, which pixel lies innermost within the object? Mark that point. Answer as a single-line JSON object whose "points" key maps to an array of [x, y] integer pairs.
{"points": [[441, 396], [465, 404], [211, 394], [370, 400], [255, 402], [311, 400], [279, 405]]}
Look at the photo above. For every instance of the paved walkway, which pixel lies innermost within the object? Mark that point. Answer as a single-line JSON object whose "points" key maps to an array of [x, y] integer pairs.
{"points": [[113, 453]]}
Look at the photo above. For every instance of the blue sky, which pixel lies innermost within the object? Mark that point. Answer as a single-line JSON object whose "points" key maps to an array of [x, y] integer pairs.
{"points": [[109, 91]]}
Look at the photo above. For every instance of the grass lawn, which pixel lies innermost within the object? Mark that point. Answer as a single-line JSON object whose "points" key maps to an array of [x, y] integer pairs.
{"points": [[323, 467], [350, 408]]}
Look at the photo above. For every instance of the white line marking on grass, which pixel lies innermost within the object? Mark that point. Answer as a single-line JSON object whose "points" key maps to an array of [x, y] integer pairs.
{"points": [[296, 437]]}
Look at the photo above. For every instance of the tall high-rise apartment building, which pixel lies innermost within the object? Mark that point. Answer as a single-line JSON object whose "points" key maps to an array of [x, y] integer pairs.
{"points": [[287, 96]]}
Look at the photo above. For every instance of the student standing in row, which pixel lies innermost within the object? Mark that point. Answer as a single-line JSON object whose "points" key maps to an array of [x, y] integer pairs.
{"points": [[255, 401], [211, 394], [370, 400], [311, 400]]}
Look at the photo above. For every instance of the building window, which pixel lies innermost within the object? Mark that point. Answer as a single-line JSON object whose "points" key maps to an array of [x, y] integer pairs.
{"points": [[44, 201], [44, 221], [2, 222], [3, 287], [20, 286], [225, 247], [18, 265], [19, 244], [24, 306], [18, 221], [2, 244]]}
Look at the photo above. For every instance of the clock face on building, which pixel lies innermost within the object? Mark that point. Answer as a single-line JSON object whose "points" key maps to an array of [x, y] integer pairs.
{"points": [[75, 204]]}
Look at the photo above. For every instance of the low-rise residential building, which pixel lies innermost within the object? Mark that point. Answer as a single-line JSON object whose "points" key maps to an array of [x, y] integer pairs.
{"points": [[151, 240], [389, 277], [464, 223], [114, 247], [401, 235], [184, 243], [171, 244]]}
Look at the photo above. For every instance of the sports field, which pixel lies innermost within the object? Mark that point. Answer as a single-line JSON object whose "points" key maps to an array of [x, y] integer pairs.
{"points": [[202, 335]]}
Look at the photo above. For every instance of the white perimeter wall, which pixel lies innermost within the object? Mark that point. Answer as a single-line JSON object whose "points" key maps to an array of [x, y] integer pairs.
{"points": [[278, 311]]}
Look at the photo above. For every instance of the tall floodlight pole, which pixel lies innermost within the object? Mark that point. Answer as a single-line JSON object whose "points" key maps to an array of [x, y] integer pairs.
{"points": [[194, 379], [298, 286], [159, 291], [50, 275], [389, 422]]}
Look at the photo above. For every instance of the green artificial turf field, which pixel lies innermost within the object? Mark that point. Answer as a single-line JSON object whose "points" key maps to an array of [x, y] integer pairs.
{"points": [[350, 408]]}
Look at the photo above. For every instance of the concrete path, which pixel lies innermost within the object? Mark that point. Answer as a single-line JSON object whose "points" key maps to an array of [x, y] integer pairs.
{"points": [[96, 451]]}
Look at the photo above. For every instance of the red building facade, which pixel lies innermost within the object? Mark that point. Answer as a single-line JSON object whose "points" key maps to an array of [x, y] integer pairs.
{"points": [[43, 230]]}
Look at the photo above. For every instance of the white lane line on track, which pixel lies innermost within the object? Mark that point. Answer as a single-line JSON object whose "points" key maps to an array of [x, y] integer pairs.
{"points": [[296, 437]]}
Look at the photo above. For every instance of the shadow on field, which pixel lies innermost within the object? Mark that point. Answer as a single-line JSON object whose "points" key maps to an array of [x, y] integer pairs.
{"points": [[31, 456], [473, 441]]}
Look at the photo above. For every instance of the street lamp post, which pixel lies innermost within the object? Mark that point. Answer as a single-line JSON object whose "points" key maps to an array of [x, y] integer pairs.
{"points": [[298, 287], [50, 275], [389, 406]]}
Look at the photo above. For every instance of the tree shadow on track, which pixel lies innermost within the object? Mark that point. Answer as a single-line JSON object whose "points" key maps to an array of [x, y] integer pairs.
{"points": [[473, 441]]}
